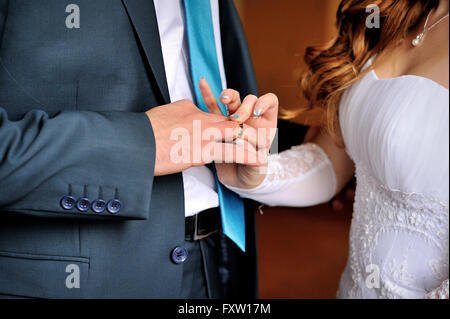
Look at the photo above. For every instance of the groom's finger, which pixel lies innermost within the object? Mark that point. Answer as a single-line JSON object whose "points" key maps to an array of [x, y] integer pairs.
{"points": [[208, 97]]}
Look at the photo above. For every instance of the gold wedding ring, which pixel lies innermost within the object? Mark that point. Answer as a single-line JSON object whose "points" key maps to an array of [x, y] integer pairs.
{"points": [[238, 138]]}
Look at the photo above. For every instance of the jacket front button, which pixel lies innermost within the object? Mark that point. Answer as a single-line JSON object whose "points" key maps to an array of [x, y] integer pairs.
{"points": [[98, 206], [179, 255], [83, 205], [68, 202], [114, 206]]}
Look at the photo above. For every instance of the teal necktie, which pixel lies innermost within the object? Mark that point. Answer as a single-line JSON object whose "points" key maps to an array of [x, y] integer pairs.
{"points": [[204, 63]]}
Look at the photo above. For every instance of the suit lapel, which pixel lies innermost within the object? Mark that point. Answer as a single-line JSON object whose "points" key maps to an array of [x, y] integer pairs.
{"points": [[143, 17]]}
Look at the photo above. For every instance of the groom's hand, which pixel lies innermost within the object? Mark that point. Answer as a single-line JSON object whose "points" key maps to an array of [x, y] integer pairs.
{"points": [[179, 120]]}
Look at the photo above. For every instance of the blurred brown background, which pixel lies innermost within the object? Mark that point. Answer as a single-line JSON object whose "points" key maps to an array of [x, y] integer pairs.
{"points": [[302, 252], [278, 33]]}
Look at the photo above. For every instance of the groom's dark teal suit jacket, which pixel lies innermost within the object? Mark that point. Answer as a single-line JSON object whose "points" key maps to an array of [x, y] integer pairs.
{"points": [[72, 124]]}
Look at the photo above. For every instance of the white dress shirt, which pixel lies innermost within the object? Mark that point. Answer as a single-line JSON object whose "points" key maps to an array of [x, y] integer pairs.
{"points": [[200, 191]]}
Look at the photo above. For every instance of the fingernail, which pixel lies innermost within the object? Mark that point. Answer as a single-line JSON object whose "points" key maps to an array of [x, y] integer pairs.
{"points": [[225, 97], [235, 116], [258, 109]]}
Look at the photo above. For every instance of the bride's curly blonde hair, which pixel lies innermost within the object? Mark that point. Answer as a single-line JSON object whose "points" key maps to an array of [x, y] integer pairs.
{"points": [[334, 66]]}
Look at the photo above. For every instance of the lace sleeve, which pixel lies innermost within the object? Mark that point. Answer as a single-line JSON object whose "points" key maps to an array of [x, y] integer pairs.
{"points": [[302, 176], [439, 293]]}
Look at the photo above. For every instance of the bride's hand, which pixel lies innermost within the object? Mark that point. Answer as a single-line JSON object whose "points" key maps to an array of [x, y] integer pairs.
{"points": [[259, 119]]}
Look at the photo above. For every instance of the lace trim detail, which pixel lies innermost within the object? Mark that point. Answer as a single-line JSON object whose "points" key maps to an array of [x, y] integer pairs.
{"points": [[299, 177], [439, 293], [416, 199], [299, 160], [388, 226]]}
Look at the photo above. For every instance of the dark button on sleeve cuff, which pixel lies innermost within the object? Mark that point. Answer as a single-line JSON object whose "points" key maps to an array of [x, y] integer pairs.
{"points": [[83, 205], [98, 206], [114, 206], [68, 202]]}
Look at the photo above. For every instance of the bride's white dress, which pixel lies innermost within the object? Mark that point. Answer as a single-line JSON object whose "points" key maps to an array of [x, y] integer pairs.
{"points": [[397, 133]]}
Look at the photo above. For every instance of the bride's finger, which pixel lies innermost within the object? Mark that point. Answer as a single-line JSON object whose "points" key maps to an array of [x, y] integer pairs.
{"points": [[245, 110], [208, 97], [242, 153], [259, 138], [264, 103], [231, 98]]}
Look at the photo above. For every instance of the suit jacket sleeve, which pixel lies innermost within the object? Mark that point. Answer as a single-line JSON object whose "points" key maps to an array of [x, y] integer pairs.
{"points": [[81, 154]]}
